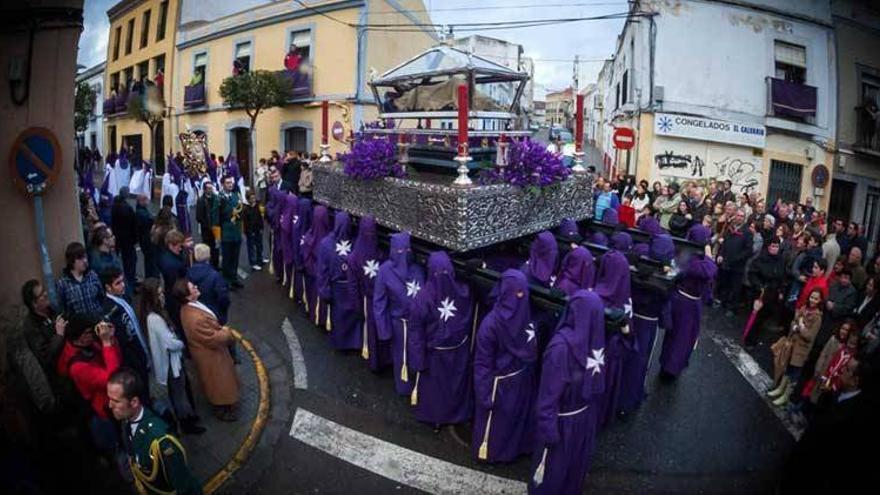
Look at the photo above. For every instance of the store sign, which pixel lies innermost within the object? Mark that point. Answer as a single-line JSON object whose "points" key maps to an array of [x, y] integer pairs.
{"points": [[720, 131]]}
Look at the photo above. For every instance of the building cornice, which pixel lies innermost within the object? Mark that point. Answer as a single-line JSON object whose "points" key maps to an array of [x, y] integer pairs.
{"points": [[91, 72], [252, 19], [122, 8]]}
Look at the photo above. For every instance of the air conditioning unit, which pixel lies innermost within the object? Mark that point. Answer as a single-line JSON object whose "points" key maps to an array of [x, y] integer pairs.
{"points": [[658, 93]]}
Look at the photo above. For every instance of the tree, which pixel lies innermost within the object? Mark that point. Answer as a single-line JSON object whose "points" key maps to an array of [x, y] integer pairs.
{"points": [[254, 92], [83, 107], [148, 107]]}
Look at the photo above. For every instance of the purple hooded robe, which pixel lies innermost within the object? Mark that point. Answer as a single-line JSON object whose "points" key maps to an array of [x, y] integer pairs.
{"points": [[543, 259], [365, 259], [598, 238], [505, 375], [568, 229], [285, 231], [578, 271], [650, 225], [692, 284], [397, 284], [439, 347], [337, 286], [320, 227], [621, 241], [609, 216], [273, 214], [613, 285], [301, 225], [572, 378], [662, 248]]}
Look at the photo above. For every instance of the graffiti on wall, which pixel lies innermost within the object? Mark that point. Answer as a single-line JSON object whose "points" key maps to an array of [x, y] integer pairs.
{"points": [[743, 172]]}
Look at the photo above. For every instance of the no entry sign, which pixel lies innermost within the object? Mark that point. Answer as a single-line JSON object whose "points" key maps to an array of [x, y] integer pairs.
{"points": [[35, 160], [624, 138]]}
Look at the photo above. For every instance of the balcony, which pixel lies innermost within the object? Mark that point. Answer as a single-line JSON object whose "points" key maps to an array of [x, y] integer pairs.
{"points": [[109, 106], [791, 100], [194, 96], [121, 102], [868, 128], [300, 81]]}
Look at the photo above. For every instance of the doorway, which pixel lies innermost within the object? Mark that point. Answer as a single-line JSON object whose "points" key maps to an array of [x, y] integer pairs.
{"points": [[842, 194], [241, 148], [135, 142]]}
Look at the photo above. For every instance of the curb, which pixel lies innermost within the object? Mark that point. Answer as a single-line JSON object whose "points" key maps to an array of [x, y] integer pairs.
{"points": [[247, 446]]}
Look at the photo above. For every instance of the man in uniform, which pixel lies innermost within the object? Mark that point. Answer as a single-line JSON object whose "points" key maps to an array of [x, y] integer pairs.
{"points": [[230, 231], [158, 460]]}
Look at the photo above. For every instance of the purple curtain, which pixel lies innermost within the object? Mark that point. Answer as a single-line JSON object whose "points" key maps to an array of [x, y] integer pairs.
{"points": [[792, 99]]}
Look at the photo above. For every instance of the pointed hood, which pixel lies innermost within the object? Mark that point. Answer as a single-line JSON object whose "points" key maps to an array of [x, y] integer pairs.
{"points": [[578, 271], [613, 281], [366, 244], [650, 225], [699, 234], [609, 216], [582, 328], [399, 254], [621, 241], [342, 226], [662, 248], [568, 230], [543, 257], [513, 314], [598, 238]]}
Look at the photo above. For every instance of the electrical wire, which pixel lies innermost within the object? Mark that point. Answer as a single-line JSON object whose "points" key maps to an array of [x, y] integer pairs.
{"points": [[505, 7]]}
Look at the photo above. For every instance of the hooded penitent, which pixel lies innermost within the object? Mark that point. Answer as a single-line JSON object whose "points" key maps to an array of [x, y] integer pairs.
{"points": [[578, 271]]}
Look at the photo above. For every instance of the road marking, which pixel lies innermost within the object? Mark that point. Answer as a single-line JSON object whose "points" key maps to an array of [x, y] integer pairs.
{"points": [[760, 381], [394, 462], [298, 361]]}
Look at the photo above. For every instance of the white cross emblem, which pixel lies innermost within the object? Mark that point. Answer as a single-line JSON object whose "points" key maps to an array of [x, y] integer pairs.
{"points": [[628, 308], [412, 288], [596, 362], [371, 269], [530, 331], [552, 280], [296, 219], [302, 241], [447, 309], [343, 247]]}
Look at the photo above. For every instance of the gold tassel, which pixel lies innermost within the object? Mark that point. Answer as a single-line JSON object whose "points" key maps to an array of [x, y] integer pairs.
{"points": [[318, 311], [292, 278], [365, 349], [271, 251], [404, 376], [305, 299], [414, 397], [284, 276], [327, 324], [483, 454], [539, 472], [484, 447]]}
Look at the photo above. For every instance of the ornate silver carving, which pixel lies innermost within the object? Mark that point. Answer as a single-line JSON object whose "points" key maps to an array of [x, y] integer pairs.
{"points": [[459, 219]]}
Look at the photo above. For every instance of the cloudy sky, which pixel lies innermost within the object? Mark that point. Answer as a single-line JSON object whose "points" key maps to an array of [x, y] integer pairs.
{"points": [[553, 47]]}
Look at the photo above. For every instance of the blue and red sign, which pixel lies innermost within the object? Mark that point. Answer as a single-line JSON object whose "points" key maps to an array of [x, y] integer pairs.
{"points": [[35, 160]]}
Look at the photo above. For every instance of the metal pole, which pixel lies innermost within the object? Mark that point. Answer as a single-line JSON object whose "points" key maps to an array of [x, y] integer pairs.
{"points": [[48, 278]]}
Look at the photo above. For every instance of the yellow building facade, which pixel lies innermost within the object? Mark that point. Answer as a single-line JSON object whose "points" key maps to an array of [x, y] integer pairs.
{"points": [[140, 45], [341, 57]]}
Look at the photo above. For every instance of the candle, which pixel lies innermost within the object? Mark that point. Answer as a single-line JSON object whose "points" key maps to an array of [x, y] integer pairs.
{"points": [[579, 123], [325, 110], [462, 119]]}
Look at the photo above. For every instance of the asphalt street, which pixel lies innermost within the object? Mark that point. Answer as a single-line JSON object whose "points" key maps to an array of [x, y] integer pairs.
{"points": [[709, 432]]}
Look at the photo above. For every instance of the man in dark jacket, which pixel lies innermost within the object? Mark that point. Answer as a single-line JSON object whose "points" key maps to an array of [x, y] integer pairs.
{"points": [[144, 227], [124, 224], [767, 278], [208, 217], [736, 248], [291, 171], [131, 337]]}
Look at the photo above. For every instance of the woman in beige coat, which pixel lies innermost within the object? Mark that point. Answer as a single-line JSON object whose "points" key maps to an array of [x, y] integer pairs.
{"points": [[804, 328], [208, 343]]}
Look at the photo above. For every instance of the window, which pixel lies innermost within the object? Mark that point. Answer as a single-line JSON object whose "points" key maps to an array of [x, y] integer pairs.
{"points": [[129, 78], [114, 81], [791, 62], [163, 19], [625, 89], [145, 29], [242, 61], [617, 96], [869, 100], [143, 70], [112, 131], [199, 68], [302, 41], [784, 181], [116, 42], [129, 33], [158, 64]]}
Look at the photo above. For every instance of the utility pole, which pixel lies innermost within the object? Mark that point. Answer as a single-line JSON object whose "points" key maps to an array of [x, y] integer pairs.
{"points": [[574, 90]]}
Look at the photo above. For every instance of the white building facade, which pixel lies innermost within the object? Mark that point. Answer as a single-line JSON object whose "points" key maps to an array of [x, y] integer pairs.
{"points": [[742, 91], [93, 137]]}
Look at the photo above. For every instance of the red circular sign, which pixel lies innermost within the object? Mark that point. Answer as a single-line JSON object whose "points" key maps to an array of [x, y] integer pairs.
{"points": [[624, 138], [338, 131]]}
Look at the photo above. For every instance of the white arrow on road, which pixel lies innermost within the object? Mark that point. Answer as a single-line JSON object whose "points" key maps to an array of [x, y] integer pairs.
{"points": [[394, 462], [298, 361]]}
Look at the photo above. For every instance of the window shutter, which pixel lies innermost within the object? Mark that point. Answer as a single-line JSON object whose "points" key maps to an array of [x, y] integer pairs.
{"points": [[787, 53]]}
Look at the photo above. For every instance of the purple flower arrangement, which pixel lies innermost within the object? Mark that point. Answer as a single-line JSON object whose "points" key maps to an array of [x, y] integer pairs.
{"points": [[529, 165], [371, 159]]}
